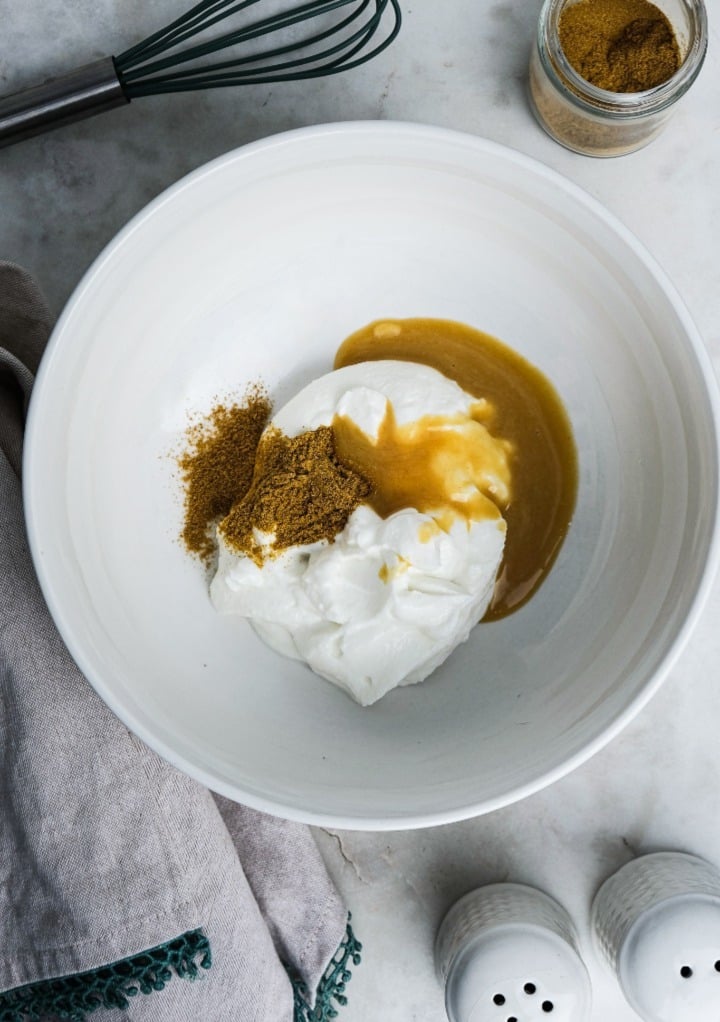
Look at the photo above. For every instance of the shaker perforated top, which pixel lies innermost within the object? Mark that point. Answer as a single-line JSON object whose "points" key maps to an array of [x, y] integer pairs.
{"points": [[669, 965], [518, 973], [507, 953]]}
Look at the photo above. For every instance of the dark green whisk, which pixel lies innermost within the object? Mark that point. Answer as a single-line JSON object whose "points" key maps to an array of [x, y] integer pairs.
{"points": [[303, 40]]}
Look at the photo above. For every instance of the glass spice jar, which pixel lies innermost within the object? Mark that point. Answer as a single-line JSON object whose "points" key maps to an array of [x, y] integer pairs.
{"points": [[594, 121]]}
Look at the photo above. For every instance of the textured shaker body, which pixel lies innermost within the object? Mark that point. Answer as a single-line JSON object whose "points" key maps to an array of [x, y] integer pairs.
{"points": [[657, 924]]}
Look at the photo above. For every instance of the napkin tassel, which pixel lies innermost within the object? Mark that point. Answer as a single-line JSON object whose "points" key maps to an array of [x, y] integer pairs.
{"points": [[332, 985], [110, 986]]}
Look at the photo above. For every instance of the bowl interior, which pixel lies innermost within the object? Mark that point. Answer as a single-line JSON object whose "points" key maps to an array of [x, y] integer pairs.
{"points": [[256, 267]]}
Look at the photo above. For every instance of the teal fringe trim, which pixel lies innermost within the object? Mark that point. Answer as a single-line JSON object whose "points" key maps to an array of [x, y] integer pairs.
{"points": [[332, 985], [74, 997]]}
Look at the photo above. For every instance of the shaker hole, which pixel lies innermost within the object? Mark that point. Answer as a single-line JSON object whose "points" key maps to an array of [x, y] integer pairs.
{"points": [[512, 1019], [717, 966], [498, 999], [529, 988], [686, 972], [547, 1006]]}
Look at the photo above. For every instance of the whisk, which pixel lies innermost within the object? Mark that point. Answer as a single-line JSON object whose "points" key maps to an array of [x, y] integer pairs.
{"points": [[333, 36]]}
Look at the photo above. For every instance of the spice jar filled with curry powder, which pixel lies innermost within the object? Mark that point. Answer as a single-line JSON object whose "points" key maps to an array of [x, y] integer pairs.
{"points": [[605, 75]]}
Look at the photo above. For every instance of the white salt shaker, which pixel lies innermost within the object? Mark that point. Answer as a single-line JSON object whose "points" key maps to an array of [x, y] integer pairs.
{"points": [[507, 953], [657, 923]]}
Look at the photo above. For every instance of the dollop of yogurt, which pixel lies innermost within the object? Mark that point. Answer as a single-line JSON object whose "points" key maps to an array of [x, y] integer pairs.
{"points": [[388, 600]]}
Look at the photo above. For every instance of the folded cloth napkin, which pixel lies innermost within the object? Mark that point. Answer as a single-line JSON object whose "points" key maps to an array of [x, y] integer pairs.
{"points": [[120, 878]]}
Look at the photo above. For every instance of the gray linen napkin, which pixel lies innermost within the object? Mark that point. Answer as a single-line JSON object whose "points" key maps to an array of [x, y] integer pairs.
{"points": [[107, 852]]}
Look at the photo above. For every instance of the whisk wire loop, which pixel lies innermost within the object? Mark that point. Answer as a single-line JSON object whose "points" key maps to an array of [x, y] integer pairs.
{"points": [[220, 76], [253, 31], [243, 67], [188, 28], [141, 74], [195, 19]]}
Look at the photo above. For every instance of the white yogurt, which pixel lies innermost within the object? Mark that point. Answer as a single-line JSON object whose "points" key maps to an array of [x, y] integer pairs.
{"points": [[389, 599]]}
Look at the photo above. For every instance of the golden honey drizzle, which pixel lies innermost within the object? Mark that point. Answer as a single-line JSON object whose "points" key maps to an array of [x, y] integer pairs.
{"points": [[446, 462], [522, 408]]}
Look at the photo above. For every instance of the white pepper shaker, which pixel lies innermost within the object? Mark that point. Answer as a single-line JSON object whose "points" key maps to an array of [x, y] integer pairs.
{"points": [[657, 923], [507, 953]]}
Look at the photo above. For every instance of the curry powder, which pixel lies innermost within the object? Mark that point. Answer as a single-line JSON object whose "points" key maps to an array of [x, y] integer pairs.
{"points": [[619, 45], [217, 467], [300, 494]]}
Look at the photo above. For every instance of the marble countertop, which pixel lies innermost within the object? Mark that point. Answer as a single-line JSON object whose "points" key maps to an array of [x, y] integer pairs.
{"points": [[461, 64]]}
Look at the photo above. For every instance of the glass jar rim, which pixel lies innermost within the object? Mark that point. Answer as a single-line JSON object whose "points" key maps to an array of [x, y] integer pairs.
{"points": [[620, 104]]}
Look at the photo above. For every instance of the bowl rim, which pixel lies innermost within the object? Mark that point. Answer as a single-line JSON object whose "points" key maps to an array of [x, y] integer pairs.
{"points": [[32, 485]]}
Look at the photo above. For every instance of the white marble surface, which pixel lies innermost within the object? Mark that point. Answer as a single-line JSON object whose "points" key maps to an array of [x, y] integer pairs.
{"points": [[461, 64]]}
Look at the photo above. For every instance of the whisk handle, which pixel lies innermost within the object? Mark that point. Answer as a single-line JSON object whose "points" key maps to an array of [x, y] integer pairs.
{"points": [[83, 92]]}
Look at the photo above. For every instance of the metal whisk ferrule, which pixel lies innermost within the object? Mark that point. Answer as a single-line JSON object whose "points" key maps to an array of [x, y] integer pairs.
{"points": [[86, 90]]}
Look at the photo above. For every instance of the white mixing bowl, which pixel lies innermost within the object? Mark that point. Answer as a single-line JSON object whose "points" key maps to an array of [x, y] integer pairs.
{"points": [[257, 266]]}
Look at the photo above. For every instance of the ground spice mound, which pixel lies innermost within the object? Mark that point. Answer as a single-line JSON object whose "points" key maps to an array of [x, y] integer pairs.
{"points": [[217, 466], [619, 45], [300, 492]]}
